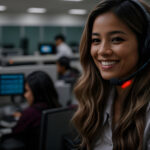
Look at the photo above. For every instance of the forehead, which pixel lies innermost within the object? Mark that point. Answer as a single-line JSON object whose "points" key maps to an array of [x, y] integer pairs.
{"points": [[108, 22]]}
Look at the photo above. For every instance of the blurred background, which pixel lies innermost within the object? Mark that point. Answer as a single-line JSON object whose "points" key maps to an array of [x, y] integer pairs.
{"points": [[23, 28], [28, 30]]}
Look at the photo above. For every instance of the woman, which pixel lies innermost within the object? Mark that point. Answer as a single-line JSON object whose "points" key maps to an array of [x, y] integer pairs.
{"points": [[114, 90], [40, 94]]}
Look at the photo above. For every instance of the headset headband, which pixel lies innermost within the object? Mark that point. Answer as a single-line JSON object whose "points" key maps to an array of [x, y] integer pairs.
{"points": [[146, 46]]}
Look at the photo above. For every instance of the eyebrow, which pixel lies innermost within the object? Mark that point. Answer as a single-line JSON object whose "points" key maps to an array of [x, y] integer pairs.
{"points": [[110, 33]]}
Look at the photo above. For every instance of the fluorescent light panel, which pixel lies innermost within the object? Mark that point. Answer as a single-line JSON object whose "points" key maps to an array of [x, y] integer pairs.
{"points": [[36, 10], [72, 0], [77, 11], [2, 8]]}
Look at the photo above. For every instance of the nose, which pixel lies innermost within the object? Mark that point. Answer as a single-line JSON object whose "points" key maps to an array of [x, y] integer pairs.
{"points": [[104, 48]]}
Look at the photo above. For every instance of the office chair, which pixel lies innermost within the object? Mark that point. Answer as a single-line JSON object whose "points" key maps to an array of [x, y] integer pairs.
{"points": [[56, 128]]}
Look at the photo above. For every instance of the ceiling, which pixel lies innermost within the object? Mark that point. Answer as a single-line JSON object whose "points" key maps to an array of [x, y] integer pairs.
{"points": [[53, 6], [57, 12]]}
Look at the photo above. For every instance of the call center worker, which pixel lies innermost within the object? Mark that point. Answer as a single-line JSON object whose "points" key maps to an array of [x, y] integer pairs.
{"points": [[40, 94], [63, 49], [114, 90]]}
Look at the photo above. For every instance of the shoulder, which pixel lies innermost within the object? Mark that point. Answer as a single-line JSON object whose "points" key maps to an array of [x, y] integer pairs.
{"points": [[148, 115], [146, 137], [34, 109], [147, 123], [65, 46], [29, 112]]}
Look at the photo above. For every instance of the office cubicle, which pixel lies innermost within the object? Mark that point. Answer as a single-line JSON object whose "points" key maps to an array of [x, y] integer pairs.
{"points": [[64, 90], [50, 69]]}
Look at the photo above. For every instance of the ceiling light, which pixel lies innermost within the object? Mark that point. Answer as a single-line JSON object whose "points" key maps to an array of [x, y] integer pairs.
{"points": [[36, 10], [2, 8], [73, 0], [77, 11]]}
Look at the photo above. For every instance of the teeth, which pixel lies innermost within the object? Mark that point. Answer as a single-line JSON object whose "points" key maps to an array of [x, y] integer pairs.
{"points": [[107, 63]]}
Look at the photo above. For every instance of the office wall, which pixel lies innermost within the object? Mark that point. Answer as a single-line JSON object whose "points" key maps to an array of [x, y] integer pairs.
{"points": [[35, 34], [39, 28], [10, 35]]}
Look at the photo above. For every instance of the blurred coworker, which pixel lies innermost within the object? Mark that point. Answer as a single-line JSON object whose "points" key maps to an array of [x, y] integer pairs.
{"points": [[62, 48], [65, 71], [40, 94]]}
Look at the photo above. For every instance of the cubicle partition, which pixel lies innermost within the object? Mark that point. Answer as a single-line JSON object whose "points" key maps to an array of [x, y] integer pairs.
{"points": [[50, 69], [64, 90]]}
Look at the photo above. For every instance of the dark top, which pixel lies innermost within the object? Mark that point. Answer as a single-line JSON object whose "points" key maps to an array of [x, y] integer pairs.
{"points": [[70, 76], [28, 127], [30, 118]]}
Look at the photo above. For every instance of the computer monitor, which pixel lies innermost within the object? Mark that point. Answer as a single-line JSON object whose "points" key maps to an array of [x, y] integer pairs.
{"points": [[12, 84], [47, 48], [55, 124]]}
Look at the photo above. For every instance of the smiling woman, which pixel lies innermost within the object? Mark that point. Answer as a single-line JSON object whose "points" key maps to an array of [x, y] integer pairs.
{"points": [[115, 44]]}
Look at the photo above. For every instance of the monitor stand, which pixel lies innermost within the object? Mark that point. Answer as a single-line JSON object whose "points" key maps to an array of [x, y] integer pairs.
{"points": [[13, 99]]}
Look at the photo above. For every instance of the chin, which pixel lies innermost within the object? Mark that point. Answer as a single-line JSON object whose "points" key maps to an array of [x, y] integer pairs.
{"points": [[108, 77]]}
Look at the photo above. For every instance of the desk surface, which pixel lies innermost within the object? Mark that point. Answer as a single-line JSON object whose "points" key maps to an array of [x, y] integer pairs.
{"points": [[34, 58]]}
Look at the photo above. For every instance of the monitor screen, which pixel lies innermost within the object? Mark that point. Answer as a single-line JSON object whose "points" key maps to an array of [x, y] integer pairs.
{"points": [[47, 49], [11, 84]]}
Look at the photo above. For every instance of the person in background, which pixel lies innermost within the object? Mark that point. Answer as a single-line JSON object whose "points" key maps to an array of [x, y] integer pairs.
{"points": [[65, 72], [62, 48], [114, 90], [40, 94]]}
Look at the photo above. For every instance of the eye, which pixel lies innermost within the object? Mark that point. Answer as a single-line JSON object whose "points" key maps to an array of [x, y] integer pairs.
{"points": [[117, 40], [96, 41]]}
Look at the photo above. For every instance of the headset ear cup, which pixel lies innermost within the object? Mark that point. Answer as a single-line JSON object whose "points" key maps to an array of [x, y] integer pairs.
{"points": [[146, 49]]}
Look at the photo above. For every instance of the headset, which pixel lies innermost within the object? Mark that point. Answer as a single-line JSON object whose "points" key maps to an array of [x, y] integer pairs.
{"points": [[145, 52]]}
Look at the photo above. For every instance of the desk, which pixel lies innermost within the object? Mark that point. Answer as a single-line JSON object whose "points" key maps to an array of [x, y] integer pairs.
{"points": [[36, 59]]}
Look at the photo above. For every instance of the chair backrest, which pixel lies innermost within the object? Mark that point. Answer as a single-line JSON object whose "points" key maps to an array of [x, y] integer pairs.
{"points": [[55, 124]]}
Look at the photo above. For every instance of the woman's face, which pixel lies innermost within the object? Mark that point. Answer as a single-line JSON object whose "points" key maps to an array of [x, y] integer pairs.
{"points": [[28, 94], [114, 47]]}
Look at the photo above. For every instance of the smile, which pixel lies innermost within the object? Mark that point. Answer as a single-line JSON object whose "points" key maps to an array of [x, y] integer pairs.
{"points": [[107, 63]]}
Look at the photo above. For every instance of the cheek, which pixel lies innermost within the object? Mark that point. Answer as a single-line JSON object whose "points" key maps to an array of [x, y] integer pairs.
{"points": [[131, 56], [94, 55], [31, 96], [93, 52], [30, 99], [25, 95], [28, 96]]}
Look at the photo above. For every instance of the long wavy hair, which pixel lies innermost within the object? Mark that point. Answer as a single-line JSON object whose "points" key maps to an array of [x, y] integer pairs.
{"points": [[92, 91]]}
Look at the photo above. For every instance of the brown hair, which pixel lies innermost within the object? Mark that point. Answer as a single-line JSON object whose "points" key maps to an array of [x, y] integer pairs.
{"points": [[92, 91]]}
